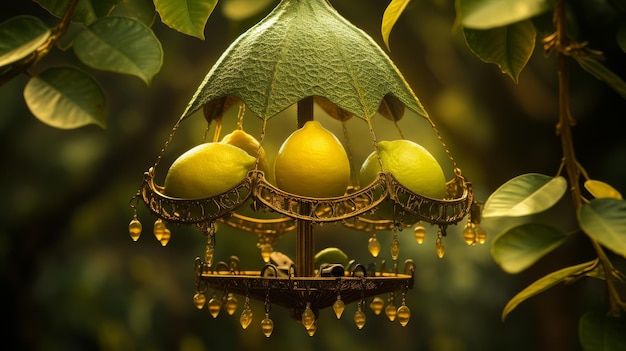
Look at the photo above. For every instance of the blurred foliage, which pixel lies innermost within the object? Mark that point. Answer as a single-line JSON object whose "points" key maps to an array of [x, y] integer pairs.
{"points": [[74, 280]]}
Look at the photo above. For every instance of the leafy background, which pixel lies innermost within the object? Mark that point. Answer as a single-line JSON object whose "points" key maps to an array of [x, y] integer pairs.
{"points": [[74, 280]]}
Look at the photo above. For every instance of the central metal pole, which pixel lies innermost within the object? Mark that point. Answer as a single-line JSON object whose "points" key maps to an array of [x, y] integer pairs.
{"points": [[305, 247]]}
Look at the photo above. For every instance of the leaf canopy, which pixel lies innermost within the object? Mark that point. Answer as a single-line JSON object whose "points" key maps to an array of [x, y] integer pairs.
{"points": [[518, 248], [543, 284], [510, 47], [65, 98], [122, 45], [301, 49], [525, 195], [486, 14], [605, 221], [20, 36]]}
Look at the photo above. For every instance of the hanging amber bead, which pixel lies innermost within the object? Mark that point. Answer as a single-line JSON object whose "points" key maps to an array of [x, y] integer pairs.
{"points": [[214, 306], [231, 304], [166, 237], [377, 305], [311, 331], [339, 307], [373, 245], [134, 228], [359, 318], [246, 317], [395, 248], [159, 229], [199, 300], [481, 235], [391, 311], [439, 248], [308, 317], [267, 326], [403, 314], [469, 233], [420, 233]]}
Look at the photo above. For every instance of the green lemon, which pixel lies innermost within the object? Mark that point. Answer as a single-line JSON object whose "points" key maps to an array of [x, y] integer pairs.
{"points": [[410, 163], [330, 255], [312, 162], [251, 145], [207, 170]]}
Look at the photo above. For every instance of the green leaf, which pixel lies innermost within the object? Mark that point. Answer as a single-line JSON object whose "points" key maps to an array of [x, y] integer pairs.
{"points": [[545, 283], [509, 47], [84, 12], [140, 10], [520, 247], [305, 48], [602, 73], [239, 10], [621, 37], [601, 190], [122, 45], [186, 16], [65, 98], [20, 36], [486, 14], [605, 221], [390, 17], [598, 331], [525, 195]]}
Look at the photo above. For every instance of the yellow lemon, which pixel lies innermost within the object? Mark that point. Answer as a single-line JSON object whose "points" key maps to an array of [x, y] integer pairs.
{"points": [[410, 163], [251, 145], [312, 162], [207, 170]]}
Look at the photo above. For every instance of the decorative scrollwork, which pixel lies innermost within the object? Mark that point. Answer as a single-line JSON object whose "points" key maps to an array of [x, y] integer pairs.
{"points": [[191, 211]]}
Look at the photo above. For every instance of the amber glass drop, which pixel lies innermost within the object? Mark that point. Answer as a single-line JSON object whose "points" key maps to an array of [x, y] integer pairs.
{"points": [[214, 306], [231, 304], [266, 251], [308, 317], [373, 245], [267, 326], [403, 314], [246, 317], [395, 249], [391, 312], [199, 300], [159, 229], [166, 237], [359, 318], [481, 235], [339, 307], [311, 331], [377, 305], [469, 234], [134, 228], [439, 248], [420, 233]]}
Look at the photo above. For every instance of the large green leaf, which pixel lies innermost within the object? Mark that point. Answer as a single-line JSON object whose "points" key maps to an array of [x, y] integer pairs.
{"points": [[304, 48], [509, 47], [518, 248], [20, 36], [605, 221], [66, 98], [141, 10], [122, 45], [186, 16], [604, 74], [390, 17], [545, 283], [598, 331], [486, 14], [525, 195], [83, 13]]}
